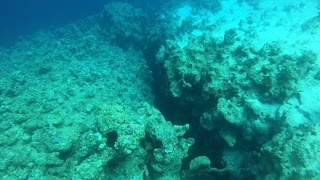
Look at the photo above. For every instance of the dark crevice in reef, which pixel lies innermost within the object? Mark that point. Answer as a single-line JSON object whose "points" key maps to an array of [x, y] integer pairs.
{"points": [[170, 107], [112, 138], [180, 113], [164, 102], [206, 143]]}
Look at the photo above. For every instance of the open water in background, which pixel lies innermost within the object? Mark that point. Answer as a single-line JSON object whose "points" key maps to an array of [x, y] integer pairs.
{"points": [[21, 17]]}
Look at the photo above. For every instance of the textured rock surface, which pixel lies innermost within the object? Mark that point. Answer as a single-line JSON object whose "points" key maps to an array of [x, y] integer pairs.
{"points": [[82, 111], [293, 153], [236, 86]]}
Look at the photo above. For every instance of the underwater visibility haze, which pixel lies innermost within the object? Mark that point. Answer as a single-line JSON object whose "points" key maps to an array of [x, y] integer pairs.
{"points": [[166, 90]]}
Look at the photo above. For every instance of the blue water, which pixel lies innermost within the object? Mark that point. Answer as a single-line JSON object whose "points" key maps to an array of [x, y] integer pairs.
{"points": [[22, 17], [19, 18]]}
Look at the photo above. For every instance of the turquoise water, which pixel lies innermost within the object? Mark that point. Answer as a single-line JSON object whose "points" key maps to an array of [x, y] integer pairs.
{"points": [[173, 90]]}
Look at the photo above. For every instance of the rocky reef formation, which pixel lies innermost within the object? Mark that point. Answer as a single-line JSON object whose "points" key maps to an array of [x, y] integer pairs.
{"points": [[79, 102], [238, 91], [293, 153]]}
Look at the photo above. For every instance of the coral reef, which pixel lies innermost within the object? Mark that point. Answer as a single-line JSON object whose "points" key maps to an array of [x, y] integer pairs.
{"points": [[293, 153], [123, 24], [238, 90], [225, 81], [198, 90]]}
